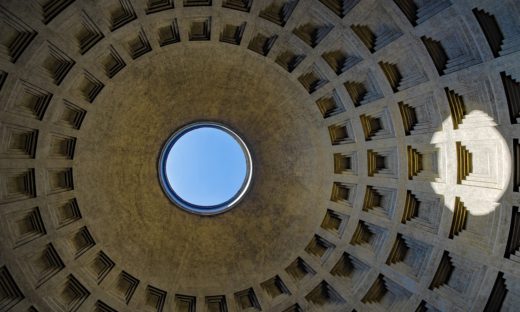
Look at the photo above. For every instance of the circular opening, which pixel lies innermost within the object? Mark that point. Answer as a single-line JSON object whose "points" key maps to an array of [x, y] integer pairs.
{"points": [[205, 168]]}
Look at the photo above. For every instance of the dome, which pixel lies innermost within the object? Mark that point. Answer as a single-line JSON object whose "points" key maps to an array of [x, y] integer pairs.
{"points": [[383, 135]]}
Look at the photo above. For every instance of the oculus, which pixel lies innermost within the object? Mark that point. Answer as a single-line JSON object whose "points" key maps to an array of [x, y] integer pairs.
{"points": [[205, 168]]}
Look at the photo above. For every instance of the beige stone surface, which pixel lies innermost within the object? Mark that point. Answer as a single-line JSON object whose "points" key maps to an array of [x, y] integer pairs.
{"points": [[385, 151]]}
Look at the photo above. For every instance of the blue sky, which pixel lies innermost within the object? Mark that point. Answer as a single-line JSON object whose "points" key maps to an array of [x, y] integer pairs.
{"points": [[206, 166]]}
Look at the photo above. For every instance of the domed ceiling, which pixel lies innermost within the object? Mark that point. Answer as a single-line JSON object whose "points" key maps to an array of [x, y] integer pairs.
{"points": [[384, 138]]}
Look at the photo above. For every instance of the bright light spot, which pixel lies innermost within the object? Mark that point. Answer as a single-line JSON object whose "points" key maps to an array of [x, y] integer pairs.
{"points": [[485, 185]]}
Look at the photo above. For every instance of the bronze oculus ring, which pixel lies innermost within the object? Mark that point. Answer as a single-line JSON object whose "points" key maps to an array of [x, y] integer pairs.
{"points": [[185, 204]]}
